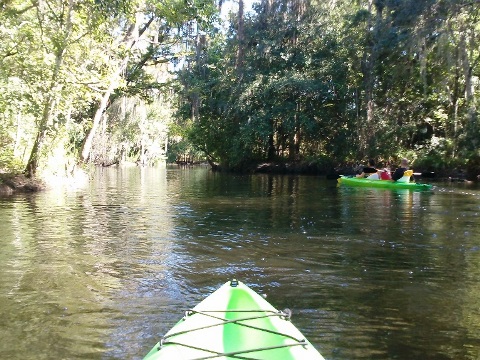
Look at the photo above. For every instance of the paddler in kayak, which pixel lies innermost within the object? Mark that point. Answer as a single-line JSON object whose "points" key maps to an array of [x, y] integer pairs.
{"points": [[368, 170], [381, 174], [400, 171]]}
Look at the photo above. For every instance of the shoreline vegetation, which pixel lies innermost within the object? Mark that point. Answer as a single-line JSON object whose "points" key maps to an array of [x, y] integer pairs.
{"points": [[17, 183], [259, 91]]}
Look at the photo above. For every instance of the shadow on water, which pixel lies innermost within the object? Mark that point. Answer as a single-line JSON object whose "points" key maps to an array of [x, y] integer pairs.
{"points": [[103, 272]]}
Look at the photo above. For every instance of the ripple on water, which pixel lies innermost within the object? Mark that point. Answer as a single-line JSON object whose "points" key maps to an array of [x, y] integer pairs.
{"points": [[368, 274]]}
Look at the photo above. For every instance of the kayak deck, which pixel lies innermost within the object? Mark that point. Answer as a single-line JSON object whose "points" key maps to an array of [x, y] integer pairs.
{"points": [[234, 323], [387, 184]]}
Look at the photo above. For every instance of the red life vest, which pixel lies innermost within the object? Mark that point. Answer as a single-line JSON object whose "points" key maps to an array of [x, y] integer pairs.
{"points": [[385, 175]]}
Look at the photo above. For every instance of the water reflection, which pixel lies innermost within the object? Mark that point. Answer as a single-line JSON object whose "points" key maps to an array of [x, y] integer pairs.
{"points": [[103, 272]]}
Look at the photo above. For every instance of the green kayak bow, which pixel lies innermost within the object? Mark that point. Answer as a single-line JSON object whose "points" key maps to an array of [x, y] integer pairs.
{"points": [[234, 322]]}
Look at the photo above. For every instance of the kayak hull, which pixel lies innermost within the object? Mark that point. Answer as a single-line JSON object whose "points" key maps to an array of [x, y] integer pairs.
{"points": [[234, 322], [385, 184]]}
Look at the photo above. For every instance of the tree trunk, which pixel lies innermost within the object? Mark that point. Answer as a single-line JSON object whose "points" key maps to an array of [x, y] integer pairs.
{"points": [[87, 143], [131, 38], [366, 130], [32, 164], [241, 39], [467, 41]]}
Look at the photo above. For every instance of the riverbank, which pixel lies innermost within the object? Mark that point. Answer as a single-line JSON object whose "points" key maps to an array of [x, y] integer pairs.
{"points": [[19, 183], [334, 172]]}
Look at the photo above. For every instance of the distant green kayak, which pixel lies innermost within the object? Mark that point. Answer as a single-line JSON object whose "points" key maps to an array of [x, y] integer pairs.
{"points": [[234, 323], [388, 184]]}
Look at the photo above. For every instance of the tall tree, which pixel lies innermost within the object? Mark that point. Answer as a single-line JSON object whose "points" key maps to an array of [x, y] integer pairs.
{"points": [[49, 43], [60, 40], [130, 39], [169, 18]]}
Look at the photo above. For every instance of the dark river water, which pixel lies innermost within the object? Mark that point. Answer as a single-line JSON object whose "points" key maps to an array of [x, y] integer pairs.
{"points": [[102, 272]]}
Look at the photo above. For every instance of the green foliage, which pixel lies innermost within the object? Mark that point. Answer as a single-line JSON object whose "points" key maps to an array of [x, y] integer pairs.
{"points": [[289, 101], [297, 81], [8, 161], [137, 132], [473, 166], [321, 164], [58, 59], [438, 163]]}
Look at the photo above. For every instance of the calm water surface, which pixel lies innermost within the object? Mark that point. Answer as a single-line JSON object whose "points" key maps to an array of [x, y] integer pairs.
{"points": [[103, 272]]}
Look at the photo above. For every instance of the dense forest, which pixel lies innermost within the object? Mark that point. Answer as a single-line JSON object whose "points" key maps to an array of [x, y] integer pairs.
{"points": [[310, 84]]}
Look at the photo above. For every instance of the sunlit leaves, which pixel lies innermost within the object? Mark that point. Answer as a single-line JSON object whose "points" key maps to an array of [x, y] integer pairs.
{"points": [[312, 74]]}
